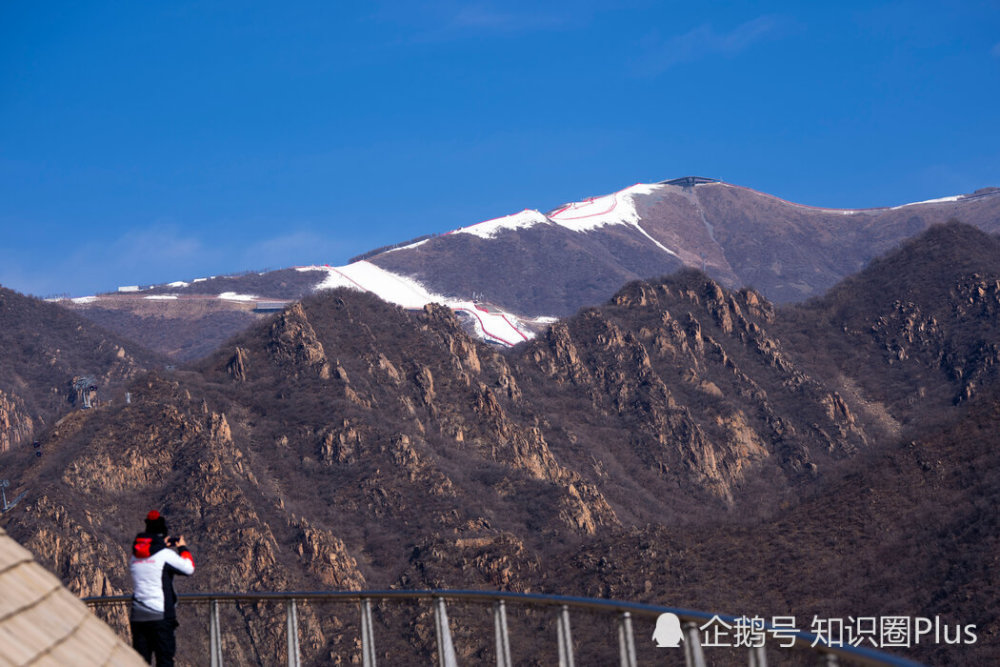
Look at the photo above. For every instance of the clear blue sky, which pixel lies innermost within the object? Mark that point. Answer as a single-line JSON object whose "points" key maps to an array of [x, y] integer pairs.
{"points": [[156, 140]]}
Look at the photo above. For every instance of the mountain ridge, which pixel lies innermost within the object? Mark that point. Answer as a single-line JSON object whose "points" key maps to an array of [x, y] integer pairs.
{"points": [[511, 276]]}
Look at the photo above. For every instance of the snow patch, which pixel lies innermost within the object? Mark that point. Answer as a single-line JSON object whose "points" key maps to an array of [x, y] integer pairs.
{"points": [[645, 188], [939, 200], [233, 296], [161, 297], [490, 228], [412, 245], [178, 283], [614, 209], [388, 286], [496, 325], [84, 299], [591, 213], [407, 247]]}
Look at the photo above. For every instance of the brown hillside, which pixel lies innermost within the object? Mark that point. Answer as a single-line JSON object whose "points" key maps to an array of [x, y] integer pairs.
{"points": [[916, 331], [44, 350], [682, 444]]}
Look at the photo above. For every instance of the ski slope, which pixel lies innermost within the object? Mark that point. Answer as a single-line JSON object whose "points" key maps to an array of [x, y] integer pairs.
{"points": [[500, 327], [490, 228], [504, 328], [617, 208]]}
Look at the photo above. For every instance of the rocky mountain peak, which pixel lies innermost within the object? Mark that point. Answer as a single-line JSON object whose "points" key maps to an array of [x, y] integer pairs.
{"points": [[294, 343]]}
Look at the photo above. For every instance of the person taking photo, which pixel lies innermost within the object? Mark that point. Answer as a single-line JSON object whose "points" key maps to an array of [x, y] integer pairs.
{"points": [[153, 564]]}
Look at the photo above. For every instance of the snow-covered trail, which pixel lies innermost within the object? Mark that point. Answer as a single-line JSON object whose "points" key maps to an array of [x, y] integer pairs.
{"points": [[502, 327]]}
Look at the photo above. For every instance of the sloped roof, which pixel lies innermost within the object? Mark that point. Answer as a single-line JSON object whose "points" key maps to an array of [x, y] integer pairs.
{"points": [[42, 623]]}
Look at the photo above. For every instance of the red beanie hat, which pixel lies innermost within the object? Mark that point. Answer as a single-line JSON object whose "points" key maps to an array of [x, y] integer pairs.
{"points": [[155, 523]]}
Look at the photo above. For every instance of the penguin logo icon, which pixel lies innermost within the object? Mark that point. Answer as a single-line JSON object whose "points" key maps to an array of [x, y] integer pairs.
{"points": [[668, 631]]}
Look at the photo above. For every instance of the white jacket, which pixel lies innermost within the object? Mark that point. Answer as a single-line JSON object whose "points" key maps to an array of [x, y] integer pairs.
{"points": [[153, 566]]}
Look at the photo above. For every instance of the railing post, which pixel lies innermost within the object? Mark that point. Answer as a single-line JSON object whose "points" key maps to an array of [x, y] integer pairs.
{"points": [[446, 649], [367, 635], [292, 623], [565, 638], [500, 632], [693, 654], [626, 641], [214, 636], [758, 657]]}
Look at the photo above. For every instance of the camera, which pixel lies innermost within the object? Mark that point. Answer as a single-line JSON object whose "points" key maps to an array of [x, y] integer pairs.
{"points": [[171, 541]]}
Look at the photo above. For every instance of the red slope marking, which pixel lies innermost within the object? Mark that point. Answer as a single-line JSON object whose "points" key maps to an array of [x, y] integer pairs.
{"points": [[485, 331], [363, 289], [514, 328], [481, 323], [614, 204]]}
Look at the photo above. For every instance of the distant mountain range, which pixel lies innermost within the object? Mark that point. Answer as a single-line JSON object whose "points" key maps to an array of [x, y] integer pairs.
{"points": [[682, 443], [508, 278]]}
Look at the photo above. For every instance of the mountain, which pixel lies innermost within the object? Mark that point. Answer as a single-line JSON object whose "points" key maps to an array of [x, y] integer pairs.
{"points": [[509, 278], [580, 253], [683, 443], [52, 361], [914, 339]]}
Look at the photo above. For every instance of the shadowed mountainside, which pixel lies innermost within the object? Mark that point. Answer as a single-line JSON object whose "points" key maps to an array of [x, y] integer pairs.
{"points": [[917, 330]]}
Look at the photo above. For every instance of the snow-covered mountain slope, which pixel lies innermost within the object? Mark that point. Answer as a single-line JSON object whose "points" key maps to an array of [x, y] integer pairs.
{"points": [[494, 326], [508, 277], [593, 213], [580, 253]]}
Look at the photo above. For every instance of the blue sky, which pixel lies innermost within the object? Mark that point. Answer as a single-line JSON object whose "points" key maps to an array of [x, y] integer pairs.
{"points": [[145, 142]]}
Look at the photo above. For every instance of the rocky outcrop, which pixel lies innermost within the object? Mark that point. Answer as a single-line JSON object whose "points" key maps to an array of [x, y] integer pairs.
{"points": [[441, 323], [976, 299], [294, 344], [326, 555], [16, 425], [342, 443], [905, 331], [66, 542], [237, 366], [976, 296], [560, 359]]}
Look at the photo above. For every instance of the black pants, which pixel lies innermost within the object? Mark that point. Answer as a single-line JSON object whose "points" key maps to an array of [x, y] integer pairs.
{"points": [[155, 637]]}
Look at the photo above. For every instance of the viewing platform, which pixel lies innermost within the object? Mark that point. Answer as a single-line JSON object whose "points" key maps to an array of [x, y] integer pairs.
{"points": [[524, 628]]}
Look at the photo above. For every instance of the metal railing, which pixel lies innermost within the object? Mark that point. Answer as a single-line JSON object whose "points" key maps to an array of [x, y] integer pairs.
{"points": [[623, 612]]}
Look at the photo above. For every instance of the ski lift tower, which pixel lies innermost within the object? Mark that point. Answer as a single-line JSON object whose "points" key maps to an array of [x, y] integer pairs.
{"points": [[4, 483], [86, 391]]}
